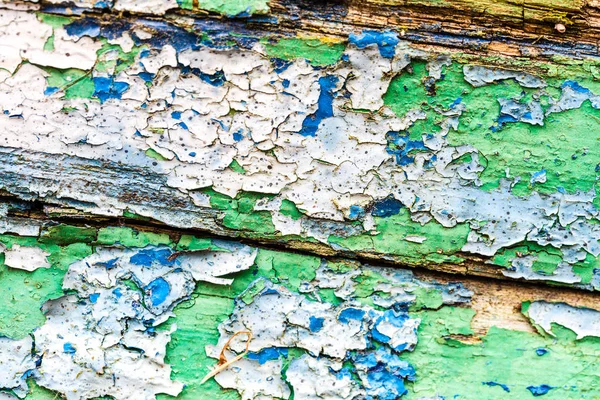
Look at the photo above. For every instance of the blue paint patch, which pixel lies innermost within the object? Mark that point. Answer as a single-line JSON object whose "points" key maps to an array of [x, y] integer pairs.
{"points": [[541, 351], [146, 76], [575, 86], [94, 297], [159, 290], [356, 212], [107, 88], [386, 41], [238, 135], [386, 207], [176, 115], [400, 145], [216, 79], [146, 257], [164, 33], [540, 390], [397, 319], [269, 291], [89, 26], [344, 373], [68, 348], [83, 27], [221, 123], [110, 264], [268, 354], [117, 293], [280, 65], [324, 106], [285, 83], [50, 90], [192, 154], [503, 386], [315, 323], [456, 102], [386, 374], [502, 120], [348, 314], [537, 176]]}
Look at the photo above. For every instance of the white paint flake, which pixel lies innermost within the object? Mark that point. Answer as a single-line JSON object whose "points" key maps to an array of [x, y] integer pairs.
{"points": [[254, 380], [583, 321], [16, 360], [314, 378], [26, 258]]}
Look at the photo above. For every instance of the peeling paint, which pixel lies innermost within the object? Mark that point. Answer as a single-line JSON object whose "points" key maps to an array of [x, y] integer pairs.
{"points": [[247, 128], [369, 146], [583, 321], [140, 305]]}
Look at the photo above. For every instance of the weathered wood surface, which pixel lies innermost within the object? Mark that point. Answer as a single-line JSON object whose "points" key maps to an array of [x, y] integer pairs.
{"points": [[417, 156], [174, 172], [469, 334]]}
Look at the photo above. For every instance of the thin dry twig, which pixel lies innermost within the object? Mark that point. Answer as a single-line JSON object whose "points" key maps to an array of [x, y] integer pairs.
{"points": [[223, 363]]}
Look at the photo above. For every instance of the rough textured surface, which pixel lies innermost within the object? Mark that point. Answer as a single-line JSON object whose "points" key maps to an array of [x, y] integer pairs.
{"points": [[362, 330], [418, 157], [142, 141]]}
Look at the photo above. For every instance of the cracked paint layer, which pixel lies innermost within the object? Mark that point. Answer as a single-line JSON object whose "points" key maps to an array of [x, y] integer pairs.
{"points": [[366, 145], [102, 337], [154, 313], [252, 128]]}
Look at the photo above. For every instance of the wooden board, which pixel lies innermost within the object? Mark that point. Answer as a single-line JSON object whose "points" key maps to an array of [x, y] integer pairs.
{"points": [[389, 198]]}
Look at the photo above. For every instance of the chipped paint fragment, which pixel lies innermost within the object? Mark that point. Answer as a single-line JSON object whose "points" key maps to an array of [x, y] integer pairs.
{"points": [[26, 258], [583, 321], [16, 362]]}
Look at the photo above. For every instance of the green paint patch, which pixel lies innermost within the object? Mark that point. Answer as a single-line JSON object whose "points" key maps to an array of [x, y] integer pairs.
{"points": [[289, 209], [230, 8], [406, 91], [290, 269], [440, 245], [49, 45], [452, 369], [67, 234], [37, 392], [427, 299], [253, 290], [23, 293], [239, 214], [189, 242], [366, 283], [547, 257], [129, 237], [236, 167], [197, 321], [585, 269], [75, 83], [566, 147], [154, 154], [112, 58], [132, 215], [186, 4], [55, 21], [316, 51]]}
